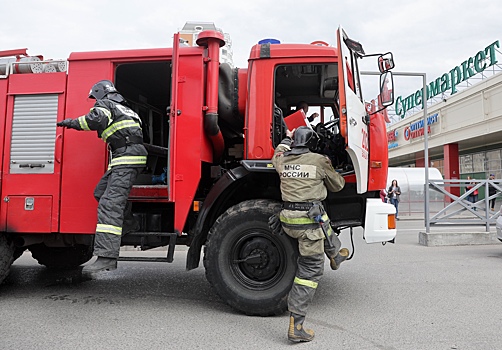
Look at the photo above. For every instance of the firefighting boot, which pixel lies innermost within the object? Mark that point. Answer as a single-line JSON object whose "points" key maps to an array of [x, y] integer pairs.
{"points": [[101, 264], [296, 332], [335, 262]]}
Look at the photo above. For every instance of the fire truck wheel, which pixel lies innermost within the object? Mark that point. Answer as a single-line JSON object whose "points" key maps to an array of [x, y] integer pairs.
{"points": [[6, 256], [251, 268], [61, 257]]}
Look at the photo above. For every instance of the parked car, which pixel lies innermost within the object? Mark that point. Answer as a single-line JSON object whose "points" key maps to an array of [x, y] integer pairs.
{"points": [[499, 228]]}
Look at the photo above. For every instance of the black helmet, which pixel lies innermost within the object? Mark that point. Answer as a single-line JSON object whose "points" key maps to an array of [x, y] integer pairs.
{"points": [[101, 89], [305, 137]]}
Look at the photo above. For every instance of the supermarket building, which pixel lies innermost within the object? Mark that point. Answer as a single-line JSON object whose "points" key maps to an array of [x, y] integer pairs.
{"points": [[464, 127]]}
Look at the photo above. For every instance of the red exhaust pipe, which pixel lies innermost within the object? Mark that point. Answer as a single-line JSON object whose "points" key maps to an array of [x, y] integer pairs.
{"points": [[212, 40]]}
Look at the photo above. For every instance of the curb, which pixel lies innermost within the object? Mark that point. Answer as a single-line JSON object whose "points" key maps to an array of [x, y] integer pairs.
{"points": [[456, 238]]}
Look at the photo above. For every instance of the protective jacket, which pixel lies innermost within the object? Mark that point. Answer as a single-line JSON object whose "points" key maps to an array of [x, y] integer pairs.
{"points": [[120, 127], [308, 175]]}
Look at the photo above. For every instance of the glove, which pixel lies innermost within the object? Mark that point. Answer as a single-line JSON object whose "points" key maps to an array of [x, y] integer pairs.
{"points": [[275, 224], [65, 123]]}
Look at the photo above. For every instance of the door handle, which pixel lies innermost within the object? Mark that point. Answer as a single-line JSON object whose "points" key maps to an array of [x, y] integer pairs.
{"points": [[32, 166], [58, 148]]}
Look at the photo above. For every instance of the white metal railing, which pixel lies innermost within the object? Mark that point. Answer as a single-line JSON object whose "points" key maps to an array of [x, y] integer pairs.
{"points": [[462, 209]]}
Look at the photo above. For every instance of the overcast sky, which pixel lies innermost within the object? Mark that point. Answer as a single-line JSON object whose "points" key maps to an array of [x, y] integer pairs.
{"points": [[425, 36]]}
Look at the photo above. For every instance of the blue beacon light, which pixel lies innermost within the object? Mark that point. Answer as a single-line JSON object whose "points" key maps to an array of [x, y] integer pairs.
{"points": [[269, 41]]}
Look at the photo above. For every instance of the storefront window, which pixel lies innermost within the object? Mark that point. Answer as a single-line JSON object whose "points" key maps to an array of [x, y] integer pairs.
{"points": [[466, 163], [438, 164], [478, 162], [493, 162]]}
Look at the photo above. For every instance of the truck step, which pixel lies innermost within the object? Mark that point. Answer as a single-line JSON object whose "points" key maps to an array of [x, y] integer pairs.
{"points": [[170, 250], [151, 233], [144, 258]]}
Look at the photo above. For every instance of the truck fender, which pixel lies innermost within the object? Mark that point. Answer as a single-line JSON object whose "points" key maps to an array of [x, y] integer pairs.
{"points": [[208, 213]]}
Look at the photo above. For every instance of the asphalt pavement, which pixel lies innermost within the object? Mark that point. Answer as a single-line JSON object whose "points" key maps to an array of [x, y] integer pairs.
{"points": [[394, 297]]}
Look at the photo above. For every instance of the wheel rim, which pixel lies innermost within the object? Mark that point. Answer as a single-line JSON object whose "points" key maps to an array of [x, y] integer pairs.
{"points": [[255, 259]]}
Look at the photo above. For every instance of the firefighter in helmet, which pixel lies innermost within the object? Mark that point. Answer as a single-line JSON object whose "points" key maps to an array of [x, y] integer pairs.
{"points": [[306, 178], [120, 127]]}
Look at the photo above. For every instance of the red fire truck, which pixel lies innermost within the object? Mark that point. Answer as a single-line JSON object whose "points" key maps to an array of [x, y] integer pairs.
{"points": [[210, 130]]}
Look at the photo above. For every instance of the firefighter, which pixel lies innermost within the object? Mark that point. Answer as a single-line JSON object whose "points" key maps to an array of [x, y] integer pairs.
{"points": [[305, 179], [120, 128], [304, 105]]}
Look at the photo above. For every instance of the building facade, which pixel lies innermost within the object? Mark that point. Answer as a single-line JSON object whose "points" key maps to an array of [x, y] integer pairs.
{"points": [[191, 30], [464, 129]]}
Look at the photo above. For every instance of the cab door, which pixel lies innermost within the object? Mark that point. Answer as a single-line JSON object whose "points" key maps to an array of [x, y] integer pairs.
{"points": [[353, 117], [186, 138], [171, 156]]}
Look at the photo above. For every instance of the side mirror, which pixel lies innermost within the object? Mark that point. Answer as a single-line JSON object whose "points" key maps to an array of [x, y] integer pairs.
{"points": [[385, 62], [386, 96]]}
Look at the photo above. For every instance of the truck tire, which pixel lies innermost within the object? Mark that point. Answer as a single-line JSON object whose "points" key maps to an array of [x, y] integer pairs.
{"points": [[6, 256], [61, 258], [251, 268]]}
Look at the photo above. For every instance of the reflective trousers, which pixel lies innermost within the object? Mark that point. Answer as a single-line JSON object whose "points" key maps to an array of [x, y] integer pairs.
{"points": [[310, 266], [309, 272], [312, 244], [111, 193]]}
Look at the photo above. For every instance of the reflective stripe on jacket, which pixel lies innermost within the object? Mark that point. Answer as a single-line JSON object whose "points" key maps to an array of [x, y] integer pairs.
{"points": [[113, 122]]}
